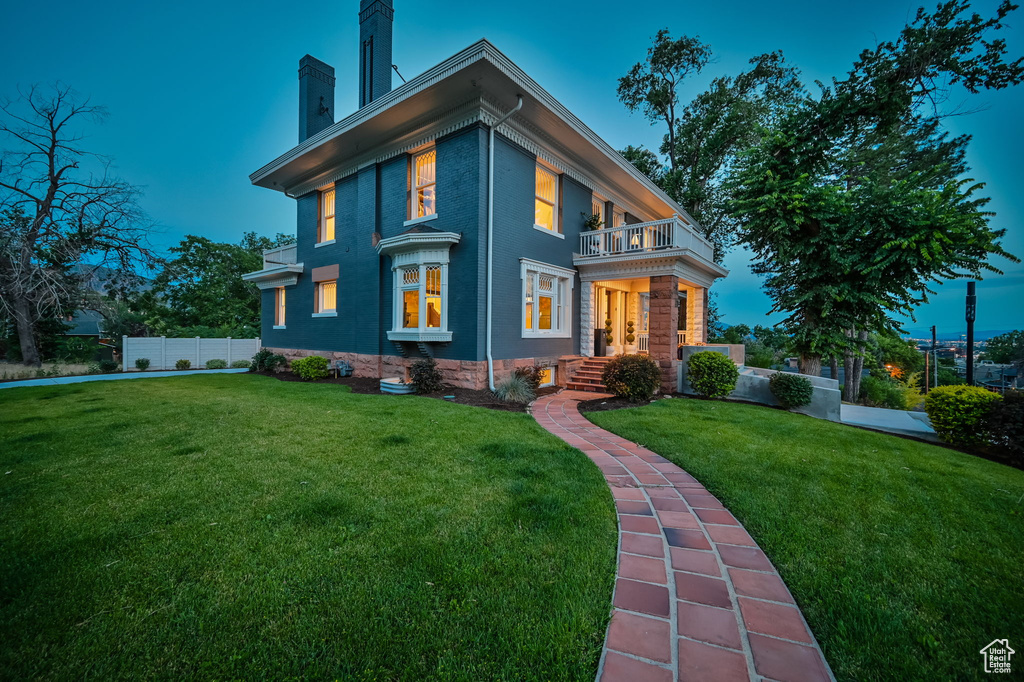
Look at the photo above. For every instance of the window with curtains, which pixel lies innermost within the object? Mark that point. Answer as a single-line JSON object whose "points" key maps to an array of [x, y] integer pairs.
{"points": [[547, 299], [279, 308], [546, 200], [326, 217], [424, 184], [327, 297]]}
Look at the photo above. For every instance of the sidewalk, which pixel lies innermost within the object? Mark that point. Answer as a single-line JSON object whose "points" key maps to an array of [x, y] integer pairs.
{"points": [[901, 422], [57, 381]]}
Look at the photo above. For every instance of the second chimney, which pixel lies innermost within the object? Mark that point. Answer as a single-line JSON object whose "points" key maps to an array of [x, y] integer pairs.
{"points": [[375, 20], [316, 97]]}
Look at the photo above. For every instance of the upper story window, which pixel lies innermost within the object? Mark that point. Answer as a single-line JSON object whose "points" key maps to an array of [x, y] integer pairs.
{"points": [[424, 184], [546, 201], [326, 232], [327, 298], [547, 299], [618, 218], [279, 307], [597, 207]]}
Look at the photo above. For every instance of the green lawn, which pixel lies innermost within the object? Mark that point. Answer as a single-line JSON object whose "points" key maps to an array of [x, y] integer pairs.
{"points": [[906, 558], [235, 526]]}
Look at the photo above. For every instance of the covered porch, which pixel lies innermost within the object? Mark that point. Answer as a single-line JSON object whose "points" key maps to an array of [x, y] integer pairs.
{"points": [[645, 290]]}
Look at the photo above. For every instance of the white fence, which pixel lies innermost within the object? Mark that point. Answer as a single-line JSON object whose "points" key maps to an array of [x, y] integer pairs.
{"points": [[163, 352], [643, 340]]}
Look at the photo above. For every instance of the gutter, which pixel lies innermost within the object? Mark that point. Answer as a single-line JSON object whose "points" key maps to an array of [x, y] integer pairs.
{"points": [[490, 233]]}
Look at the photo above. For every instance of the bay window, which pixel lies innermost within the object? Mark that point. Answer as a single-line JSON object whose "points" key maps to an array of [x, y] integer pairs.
{"points": [[547, 299], [326, 230], [419, 261], [546, 200]]}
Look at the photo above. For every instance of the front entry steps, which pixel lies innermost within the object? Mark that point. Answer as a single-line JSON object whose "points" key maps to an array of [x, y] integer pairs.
{"points": [[588, 376]]}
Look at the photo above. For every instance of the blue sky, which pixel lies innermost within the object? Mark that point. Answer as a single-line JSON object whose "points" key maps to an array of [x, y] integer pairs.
{"points": [[202, 94]]}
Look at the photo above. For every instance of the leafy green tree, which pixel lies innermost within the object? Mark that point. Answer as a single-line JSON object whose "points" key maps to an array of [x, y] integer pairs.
{"points": [[705, 136], [848, 232], [200, 292], [1006, 348]]}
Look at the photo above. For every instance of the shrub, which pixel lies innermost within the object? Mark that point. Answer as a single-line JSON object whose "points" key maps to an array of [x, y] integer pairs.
{"points": [[531, 374], [515, 389], [881, 392], [216, 364], [75, 349], [240, 364], [108, 366], [93, 368], [711, 374], [633, 377], [1006, 426], [959, 413], [791, 390], [142, 364], [183, 364], [758, 355], [310, 368], [266, 361], [425, 375]]}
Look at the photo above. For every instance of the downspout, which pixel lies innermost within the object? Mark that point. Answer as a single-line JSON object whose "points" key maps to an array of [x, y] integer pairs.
{"points": [[490, 233]]}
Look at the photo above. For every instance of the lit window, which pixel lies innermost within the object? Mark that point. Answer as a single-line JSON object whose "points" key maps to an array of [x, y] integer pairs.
{"points": [[547, 299], [279, 307], [546, 203], [424, 184], [597, 208], [326, 296], [547, 377], [422, 287], [645, 312], [327, 216]]}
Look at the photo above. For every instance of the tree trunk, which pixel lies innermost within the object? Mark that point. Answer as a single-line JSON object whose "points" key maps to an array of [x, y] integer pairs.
{"points": [[810, 364], [849, 383], [834, 367], [858, 362], [26, 334]]}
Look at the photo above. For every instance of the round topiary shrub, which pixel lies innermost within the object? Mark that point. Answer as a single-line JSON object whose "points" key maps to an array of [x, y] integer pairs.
{"points": [[183, 364], [425, 375], [959, 413], [791, 390], [216, 364], [712, 374], [633, 377], [310, 368], [142, 364]]}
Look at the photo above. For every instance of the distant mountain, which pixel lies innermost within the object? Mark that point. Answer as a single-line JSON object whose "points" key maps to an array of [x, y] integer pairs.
{"points": [[979, 335]]}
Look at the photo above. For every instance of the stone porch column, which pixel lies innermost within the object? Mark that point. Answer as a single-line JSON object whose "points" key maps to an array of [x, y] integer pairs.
{"points": [[696, 315], [587, 292], [664, 323]]}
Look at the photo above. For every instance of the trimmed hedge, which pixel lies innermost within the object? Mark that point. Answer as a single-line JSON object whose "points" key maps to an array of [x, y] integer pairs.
{"points": [[959, 414], [1006, 426], [142, 364], [712, 374], [791, 390], [216, 363], [633, 377], [183, 364]]}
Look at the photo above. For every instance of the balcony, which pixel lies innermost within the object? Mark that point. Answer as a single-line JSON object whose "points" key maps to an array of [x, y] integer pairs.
{"points": [[279, 268], [641, 239], [282, 255]]}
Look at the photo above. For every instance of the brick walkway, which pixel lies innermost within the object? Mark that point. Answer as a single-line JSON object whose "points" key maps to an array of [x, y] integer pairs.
{"points": [[695, 598]]}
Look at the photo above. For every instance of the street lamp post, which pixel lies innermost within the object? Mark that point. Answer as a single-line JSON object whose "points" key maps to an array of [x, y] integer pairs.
{"points": [[971, 312]]}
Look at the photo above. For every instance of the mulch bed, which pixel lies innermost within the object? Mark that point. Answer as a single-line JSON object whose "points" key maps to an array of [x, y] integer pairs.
{"points": [[463, 396]]}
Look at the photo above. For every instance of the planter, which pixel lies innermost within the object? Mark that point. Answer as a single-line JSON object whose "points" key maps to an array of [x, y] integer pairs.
{"points": [[395, 386], [630, 349], [611, 352]]}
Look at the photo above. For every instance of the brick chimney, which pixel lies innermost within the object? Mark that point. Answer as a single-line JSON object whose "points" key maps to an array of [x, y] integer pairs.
{"points": [[375, 21], [316, 96]]}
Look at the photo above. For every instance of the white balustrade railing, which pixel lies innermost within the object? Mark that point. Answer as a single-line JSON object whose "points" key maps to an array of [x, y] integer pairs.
{"points": [[282, 255], [657, 235], [643, 341]]}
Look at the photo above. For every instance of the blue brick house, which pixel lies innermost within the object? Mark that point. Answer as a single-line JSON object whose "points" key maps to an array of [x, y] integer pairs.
{"points": [[445, 218]]}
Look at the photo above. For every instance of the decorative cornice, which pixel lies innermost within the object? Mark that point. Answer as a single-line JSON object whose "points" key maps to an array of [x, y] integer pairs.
{"points": [[316, 73], [418, 241], [378, 6], [680, 263], [279, 276]]}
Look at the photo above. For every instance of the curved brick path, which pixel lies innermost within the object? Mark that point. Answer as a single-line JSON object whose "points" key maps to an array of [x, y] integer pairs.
{"points": [[695, 598]]}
